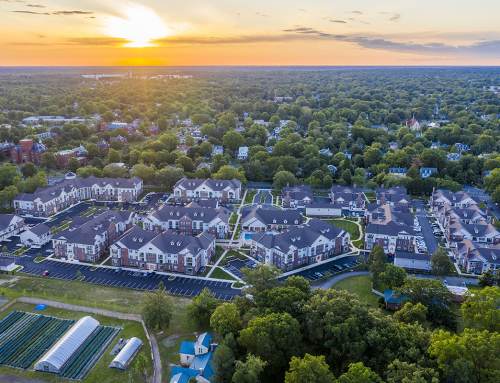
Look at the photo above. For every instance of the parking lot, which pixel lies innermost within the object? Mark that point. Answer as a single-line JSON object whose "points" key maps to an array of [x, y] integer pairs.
{"points": [[329, 269], [140, 280], [234, 266]]}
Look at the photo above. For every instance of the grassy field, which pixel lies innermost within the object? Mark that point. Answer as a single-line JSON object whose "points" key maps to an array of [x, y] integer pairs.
{"points": [[371, 196], [249, 196], [221, 274], [79, 293], [361, 286], [100, 372], [347, 225]]}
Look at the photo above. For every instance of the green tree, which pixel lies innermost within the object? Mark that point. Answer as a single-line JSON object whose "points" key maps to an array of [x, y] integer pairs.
{"points": [[432, 294], [48, 160], [28, 169], [481, 309], [232, 140], [157, 309], [441, 263], [144, 172], [113, 156], [392, 276], [228, 172], [8, 173], [359, 373], [275, 338], [310, 369], [411, 313], [404, 372], [201, 308], [284, 178], [261, 278], [226, 319], [223, 364], [377, 261], [249, 371], [469, 357]]}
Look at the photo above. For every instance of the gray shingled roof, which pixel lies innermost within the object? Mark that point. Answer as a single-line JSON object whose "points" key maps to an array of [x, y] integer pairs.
{"points": [[219, 185], [268, 216], [170, 212], [136, 237], [300, 237], [5, 220], [86, 232], [40, 229], [50, 192]]}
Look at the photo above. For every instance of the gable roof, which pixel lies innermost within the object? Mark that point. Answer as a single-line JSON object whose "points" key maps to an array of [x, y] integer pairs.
{"points": [[171, 212], [6, 219], [273, 216], [216, 185]]}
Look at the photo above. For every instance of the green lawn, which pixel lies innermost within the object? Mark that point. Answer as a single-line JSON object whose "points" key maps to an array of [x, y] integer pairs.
{"points": [[371, 196], [80, 293], [100, 372], [233, 218], [347, 225], [361, 286], [221, 274], [249, 197]]}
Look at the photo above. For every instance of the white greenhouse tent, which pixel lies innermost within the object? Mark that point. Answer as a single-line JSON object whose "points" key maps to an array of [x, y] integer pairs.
{"points": [[59, 353], [127, 353]]}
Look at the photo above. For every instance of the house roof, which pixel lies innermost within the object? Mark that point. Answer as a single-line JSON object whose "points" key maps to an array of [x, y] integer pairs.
{"points": [[5, 220], [187, 347], [48, 193], [391, 228], [273, 216], [297, 193], [217, 185], [40, 229], [170, 212], [86, 232], [299, 237], [136, 237]]}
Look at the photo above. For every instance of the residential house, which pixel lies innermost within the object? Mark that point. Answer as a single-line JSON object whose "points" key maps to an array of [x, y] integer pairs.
{"points": [[10, 225], [217, 149], [27, 151], [49, 200], [453, 156], [395, 196], [462, 148], [265, 219], [166, 251], [413, 124], [440, 198], [64, 156], [187, 189], [195, 361], [351, 200], [476, 232], [36, 236], [296, 196], [399, 172], [427, 172], [189, 220], [391, 229], [300, 246], [325, 152], [88, 238], [243, 153], [477, 258]]}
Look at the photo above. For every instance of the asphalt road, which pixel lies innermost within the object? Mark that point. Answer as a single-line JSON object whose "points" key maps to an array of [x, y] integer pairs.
{"points": [[429, 238]]}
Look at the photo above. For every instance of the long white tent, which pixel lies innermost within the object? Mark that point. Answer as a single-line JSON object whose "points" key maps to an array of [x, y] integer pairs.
{"points": [[55, 358], [126, 354]]}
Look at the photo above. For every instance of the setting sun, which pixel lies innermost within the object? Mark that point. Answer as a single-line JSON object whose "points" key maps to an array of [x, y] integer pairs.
{"points": [[140, 26]]}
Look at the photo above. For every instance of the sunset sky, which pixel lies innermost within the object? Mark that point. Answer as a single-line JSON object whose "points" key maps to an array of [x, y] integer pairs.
{"points": [[234, 32]]}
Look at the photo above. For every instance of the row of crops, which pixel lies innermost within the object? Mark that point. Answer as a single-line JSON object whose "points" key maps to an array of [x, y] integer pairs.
{"points": [[24, 337]]}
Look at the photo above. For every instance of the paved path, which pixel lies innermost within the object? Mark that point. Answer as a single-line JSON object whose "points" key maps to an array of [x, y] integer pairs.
{"points": [[337, 278], [155, 352], [235, 229]]}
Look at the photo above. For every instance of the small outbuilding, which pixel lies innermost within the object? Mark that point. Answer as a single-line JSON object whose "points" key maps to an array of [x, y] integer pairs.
{"points": [[126, 354]]}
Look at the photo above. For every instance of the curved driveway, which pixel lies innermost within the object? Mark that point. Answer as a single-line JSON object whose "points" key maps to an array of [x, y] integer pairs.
{"points": [[337, 278]]}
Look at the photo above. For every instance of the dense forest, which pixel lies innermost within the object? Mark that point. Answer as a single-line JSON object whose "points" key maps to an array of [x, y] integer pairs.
{"points": [[358, 117]]}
